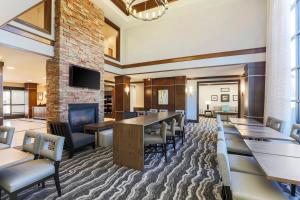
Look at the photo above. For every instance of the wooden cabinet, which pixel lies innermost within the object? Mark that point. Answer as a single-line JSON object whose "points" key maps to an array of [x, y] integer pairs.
{"points": [[39, 112]]}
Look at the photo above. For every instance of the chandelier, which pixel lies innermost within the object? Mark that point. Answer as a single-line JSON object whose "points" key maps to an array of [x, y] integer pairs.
{"points": [[151, 10]]}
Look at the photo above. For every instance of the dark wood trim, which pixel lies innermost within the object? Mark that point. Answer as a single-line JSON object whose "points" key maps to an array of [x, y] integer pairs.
{"points": [[214, 77], [121, 5], [24, 33], [107, 81], [219, 81], [21, 14], [13, 88], [118, 40], [188, 58], [47, 18], [198, 57], [113, 64]]}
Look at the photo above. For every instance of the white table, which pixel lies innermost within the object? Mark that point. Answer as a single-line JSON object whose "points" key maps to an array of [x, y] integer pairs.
{"points": [[10, 157]]}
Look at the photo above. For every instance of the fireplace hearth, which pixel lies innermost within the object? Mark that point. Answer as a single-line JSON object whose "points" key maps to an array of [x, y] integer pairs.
{"points": [[82, 114]]}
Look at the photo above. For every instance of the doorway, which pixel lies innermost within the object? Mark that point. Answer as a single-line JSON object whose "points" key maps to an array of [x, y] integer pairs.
{"points": [[218, 97]]}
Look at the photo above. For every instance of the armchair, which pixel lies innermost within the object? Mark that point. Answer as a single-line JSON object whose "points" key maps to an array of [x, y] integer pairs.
{"points": [[73, 141]]}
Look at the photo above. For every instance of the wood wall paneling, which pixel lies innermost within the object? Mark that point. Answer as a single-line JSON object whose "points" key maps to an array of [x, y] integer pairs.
{"points": [[122, 99], [31, 88], [176, 93], [255, 90]]}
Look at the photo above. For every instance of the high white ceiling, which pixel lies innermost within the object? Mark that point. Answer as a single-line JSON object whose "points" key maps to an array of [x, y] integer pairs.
{"points": [[190, 73], [28, 67]]}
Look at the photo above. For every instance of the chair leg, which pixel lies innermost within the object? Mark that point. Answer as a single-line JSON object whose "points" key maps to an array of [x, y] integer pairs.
{"points": [[43, 184], [182, 137], [56, 179], [94, 146], [174, 143], [165, 152], [293, 190], [71, 154], [12, 196]]}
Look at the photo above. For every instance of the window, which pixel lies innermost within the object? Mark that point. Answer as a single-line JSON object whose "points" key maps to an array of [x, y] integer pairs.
{"points": [[14, 102], [111, 40], [38, 17], [295, 60]]}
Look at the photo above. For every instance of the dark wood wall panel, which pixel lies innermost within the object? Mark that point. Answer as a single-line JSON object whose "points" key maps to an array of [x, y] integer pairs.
{"points": [[176, 93], [255, 90], [122, 99], [32, 97]]}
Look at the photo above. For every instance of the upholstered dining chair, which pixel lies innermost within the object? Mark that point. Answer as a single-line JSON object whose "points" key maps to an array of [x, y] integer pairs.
{"points": [[32, 143], [6, 136], [275, 124], [18, 178], [158, 139], [295, 132], [238, 185], [153, 110], [171, 134], [163, 110], [179, 127], [74, 141]]}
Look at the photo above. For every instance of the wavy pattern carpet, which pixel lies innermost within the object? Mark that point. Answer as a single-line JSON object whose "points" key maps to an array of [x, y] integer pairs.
{"points": [[189, 174]]}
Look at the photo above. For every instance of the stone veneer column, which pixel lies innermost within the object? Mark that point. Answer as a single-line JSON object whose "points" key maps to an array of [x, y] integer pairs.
{"points": [[1, 92], [79, 41], [122, 102]]}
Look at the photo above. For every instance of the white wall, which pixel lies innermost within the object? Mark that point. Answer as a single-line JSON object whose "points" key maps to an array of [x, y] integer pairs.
{"points": [[205, 92], [202, 27], [136, 95]]}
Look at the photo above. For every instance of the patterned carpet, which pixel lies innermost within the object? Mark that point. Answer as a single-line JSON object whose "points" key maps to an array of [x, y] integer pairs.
{"points": [[189, 174]]}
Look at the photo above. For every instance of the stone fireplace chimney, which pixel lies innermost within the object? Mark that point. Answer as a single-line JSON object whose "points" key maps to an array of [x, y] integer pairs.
{"points": [[79, 41]]}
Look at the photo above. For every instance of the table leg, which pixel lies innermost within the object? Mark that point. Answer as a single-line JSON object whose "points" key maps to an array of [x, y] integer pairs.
{"points": [[293, 190], [97, 138]]}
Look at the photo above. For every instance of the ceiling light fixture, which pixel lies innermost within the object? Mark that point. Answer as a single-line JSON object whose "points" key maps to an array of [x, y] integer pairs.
{"points": [[150, 12], [29, 80], [9, 67]]}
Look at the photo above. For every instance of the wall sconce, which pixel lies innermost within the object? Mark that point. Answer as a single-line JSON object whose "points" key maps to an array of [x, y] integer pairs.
{"points": [[127, 89], [242, 89], [189, 90]]}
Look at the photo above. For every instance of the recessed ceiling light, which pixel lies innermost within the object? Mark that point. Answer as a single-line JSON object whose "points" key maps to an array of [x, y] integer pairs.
{"points": [[29, 80], [9, 67]]}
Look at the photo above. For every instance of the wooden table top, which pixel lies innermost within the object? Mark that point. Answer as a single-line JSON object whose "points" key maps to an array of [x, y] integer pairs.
{"points": [[149, 119], [245, 121], [226, 113], [264, 133], [280, 149], [10, 157], [100, 125], [279, 168]]}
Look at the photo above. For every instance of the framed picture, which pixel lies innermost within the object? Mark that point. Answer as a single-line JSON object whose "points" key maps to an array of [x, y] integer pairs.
{"points": [[235, 97], [225, 89], [214, 98], [163, 97], [40, 96], [225, 97]]}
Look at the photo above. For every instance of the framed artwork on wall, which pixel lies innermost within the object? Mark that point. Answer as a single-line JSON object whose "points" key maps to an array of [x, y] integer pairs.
{"points": [[214, 98], [163, 97], [225, 98], [225, 89], [235, 97]]}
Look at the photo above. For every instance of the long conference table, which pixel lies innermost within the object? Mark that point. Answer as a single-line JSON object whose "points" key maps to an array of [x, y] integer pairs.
{"points": [[128, 138], [279, 160]]}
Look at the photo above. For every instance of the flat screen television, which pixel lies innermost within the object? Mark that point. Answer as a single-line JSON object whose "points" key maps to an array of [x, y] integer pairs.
{"points": [[84, 78]]}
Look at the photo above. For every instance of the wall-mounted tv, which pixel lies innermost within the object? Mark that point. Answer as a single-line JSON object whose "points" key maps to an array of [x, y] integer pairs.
{"points": [[84, 78]]}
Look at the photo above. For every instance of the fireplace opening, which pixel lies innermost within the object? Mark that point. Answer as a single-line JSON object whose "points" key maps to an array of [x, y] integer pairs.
{"points": [[82, 114]]}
